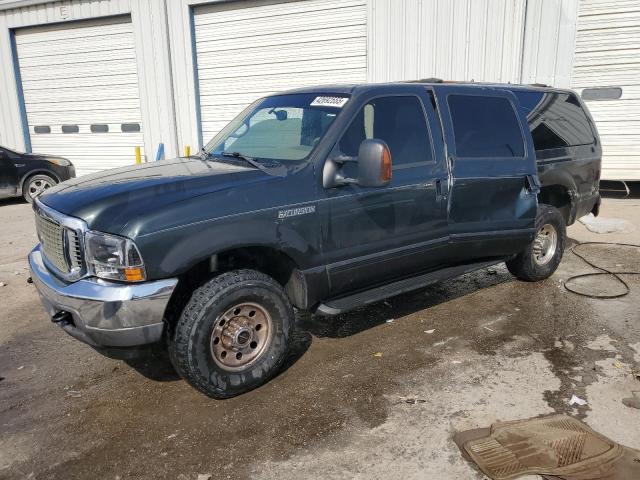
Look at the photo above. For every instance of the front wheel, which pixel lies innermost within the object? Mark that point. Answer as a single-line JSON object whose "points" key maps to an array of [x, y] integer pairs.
{"points": [[542, 256], [37, 185], [233, 335]]}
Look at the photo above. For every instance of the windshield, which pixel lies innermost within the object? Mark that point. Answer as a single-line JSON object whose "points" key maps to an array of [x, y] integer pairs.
{"points": [[282, 127]]}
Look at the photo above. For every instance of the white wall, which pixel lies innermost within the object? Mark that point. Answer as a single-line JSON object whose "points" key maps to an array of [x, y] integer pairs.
{"points": [[450, 39], [152, 54], [484, 40], [550, 33]]}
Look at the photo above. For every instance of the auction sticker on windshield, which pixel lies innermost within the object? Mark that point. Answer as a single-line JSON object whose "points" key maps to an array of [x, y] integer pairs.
{"points": [[336, 102]]}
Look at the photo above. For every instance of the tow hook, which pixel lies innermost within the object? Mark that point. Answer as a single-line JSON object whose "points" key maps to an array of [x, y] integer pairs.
{"points": [[62, 318]]}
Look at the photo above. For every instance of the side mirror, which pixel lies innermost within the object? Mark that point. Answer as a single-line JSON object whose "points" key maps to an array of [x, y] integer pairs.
{"points": [[374, 163]]}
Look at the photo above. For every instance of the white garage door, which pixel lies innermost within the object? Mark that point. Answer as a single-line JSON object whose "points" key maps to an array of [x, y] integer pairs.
{"points": [[246, 50], [607, 65], [80, 88]]}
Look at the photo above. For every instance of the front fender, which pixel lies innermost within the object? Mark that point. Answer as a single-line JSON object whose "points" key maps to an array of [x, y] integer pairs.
{"points": [[173, 252]]}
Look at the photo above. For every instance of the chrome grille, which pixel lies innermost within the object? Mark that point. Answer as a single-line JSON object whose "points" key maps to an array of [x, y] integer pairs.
{"points": [[75, 250], [51, 237]]}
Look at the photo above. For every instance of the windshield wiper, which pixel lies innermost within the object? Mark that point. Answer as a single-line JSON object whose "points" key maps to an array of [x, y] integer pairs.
{"points": [[247, 159]]}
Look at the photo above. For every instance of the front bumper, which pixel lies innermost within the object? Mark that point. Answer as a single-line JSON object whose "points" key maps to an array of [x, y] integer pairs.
{"points": [[103, 313]]}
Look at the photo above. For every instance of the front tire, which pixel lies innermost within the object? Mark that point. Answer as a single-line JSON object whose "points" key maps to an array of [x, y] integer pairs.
{"points": [[233, 334], [541, 258], [36, 185]]}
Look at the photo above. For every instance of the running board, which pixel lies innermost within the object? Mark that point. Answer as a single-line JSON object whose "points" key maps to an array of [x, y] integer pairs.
{"points": [[340, 305]]}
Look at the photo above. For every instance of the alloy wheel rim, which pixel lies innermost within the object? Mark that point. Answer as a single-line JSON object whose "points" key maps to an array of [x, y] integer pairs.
{"points": [[240, 336], [545, 244], [37, 187]]}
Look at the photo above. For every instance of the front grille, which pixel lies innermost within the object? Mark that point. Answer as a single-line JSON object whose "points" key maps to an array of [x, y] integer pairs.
{"points": [[51, 237], [75, 250]]}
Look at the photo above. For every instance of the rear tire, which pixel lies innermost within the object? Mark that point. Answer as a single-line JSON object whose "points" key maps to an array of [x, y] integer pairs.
{"points": [[541, 258], [36, 185], [233, 335]]}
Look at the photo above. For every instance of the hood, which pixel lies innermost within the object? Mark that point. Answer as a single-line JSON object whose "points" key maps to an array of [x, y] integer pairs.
{"points": [[108, 200], [40, 157]]}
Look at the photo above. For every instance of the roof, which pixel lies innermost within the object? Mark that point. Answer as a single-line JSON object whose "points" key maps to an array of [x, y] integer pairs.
{"points": [[348, 89]]}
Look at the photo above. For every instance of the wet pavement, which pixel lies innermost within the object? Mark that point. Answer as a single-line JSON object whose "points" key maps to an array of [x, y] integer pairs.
{"points": [[370, 394]]}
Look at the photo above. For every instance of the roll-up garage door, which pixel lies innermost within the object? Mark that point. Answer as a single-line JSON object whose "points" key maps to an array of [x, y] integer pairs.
{"points": [[80, 88], [607, 73], [246, 50]]}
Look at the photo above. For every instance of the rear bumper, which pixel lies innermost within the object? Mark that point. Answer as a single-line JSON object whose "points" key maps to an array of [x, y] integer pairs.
{"points": [[102, 313]]}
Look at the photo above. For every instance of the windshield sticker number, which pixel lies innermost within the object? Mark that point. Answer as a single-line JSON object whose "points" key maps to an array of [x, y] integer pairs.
{"points": [[335, 102]]}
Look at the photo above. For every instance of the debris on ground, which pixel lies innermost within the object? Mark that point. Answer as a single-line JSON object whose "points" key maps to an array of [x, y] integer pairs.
{"points": [[2, 284], [575, 400], [556, 446], [632, 402], [492, 271], [74, 394], [413, 401], [430, 331], [205, 476], [20, 367], [606, 225], [377, 354], [173, 435], [391, 320], [490, 329]]}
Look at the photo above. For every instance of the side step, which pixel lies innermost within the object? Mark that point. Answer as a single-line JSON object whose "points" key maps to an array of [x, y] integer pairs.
{"points": [[344, 304]]}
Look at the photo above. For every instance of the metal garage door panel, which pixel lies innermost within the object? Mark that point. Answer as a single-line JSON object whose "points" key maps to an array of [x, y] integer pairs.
{"points": [[82, 74], [607, 54], [249, 50]]}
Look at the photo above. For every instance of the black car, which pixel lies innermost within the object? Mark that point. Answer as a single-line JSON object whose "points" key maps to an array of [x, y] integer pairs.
{"points": [[30, 174], [323, 199]]}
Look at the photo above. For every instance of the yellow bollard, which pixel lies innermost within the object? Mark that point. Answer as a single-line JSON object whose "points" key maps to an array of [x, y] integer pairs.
{"points": [[138, 156], [187, 151]]}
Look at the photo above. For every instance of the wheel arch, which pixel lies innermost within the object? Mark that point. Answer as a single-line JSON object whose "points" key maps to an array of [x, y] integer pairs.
{"points": [[269, 260], [32, 173]]}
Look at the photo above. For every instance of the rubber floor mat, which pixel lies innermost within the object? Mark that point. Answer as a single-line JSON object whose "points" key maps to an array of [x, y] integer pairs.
{"points": [[556, 446]]}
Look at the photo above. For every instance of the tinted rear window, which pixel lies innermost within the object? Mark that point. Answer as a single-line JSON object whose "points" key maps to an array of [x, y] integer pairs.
{"points": [[485, 127], [556, 120]]}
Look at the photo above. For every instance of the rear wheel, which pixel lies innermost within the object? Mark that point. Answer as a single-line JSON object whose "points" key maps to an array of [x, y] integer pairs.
{"points": [[37, 185], [541, 258], [233, 335]]}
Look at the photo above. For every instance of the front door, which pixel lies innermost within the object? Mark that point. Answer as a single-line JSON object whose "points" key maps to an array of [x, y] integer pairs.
{"points": [[494, 189], [376, 234]]}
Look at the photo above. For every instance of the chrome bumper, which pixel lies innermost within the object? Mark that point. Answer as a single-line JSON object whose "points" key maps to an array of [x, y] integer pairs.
{"points": [[104, 314]]}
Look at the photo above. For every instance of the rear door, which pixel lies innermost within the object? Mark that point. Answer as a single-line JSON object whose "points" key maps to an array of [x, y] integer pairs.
{"points": [[493, 199]]}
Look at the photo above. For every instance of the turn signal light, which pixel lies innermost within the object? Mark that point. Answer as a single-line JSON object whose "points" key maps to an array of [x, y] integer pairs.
{"points": [[385, 170], [134, 274]]}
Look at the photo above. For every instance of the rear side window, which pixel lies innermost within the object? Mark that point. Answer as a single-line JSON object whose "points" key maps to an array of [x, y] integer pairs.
{"points": [[398, 121], [556, 120], [485, 127]]}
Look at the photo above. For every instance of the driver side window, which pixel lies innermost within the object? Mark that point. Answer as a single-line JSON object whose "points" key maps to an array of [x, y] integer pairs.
{"points": [[398, 121]]}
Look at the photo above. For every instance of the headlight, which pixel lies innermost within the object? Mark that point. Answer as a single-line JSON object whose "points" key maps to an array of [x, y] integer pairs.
{"points": [[63, 162], [113, 257]]}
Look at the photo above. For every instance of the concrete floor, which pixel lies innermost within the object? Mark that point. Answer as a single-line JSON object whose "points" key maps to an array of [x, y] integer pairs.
{"points": [[500, 350]]}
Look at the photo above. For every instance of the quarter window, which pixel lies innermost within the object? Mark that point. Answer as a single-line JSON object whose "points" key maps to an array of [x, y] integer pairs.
{"points": [[398, 121], [485, 127], [556, 120]]}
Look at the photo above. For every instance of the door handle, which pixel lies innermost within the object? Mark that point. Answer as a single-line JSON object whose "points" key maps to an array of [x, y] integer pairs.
{"points": [[439, 194]]}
